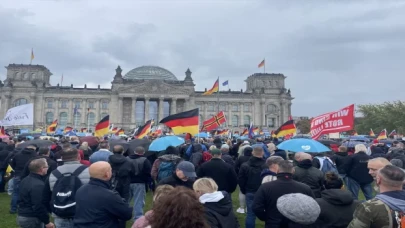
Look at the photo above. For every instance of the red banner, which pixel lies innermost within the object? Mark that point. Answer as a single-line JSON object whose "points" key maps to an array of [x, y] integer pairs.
{"points": [[332, 122]]}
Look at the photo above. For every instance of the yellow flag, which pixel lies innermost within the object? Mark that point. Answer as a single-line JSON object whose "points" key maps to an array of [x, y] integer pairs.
{"points": [[32, 54]]}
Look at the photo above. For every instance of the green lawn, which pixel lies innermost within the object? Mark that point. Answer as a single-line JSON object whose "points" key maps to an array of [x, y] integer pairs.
{"points": [[9, 221]]}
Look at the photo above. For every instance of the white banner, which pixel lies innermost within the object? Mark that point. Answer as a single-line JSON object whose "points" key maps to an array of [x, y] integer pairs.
{"points": [[20, 115]]}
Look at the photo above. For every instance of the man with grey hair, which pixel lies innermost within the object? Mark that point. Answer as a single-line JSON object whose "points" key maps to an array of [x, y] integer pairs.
{"points": [[386, 207], [271, 173], [249, 180], [102, 154], [307, 174], [265, 201], [31, 211]]}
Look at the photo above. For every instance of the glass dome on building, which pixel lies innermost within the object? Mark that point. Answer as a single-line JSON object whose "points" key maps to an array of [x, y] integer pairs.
{"points": [[150, 72]]}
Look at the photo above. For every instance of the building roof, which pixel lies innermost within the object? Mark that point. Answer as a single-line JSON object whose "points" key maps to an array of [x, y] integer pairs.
{"points": [[150, 72]]}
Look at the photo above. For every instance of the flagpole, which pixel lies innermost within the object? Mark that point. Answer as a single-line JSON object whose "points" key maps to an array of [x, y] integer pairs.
{"points": [[218, 97], [198, 134]]}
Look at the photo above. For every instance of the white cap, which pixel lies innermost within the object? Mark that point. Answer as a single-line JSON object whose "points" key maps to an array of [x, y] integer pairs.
{"points": [[224, 146], [246, 142]]}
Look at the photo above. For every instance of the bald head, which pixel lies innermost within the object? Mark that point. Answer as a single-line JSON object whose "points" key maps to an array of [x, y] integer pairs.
{"points": [[375, 164], [100, 170], [302, 156]]}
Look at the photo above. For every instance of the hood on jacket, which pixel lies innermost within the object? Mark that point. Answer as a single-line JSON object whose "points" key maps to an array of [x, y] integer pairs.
{"points": [[343, 154], [28, 151], [117, 159], [377, 150], [305, 164], [394, 200], [211, 197], [222, 207], [255, 161], [337, 196], [197, 148], [267, 172], [169, 157]]}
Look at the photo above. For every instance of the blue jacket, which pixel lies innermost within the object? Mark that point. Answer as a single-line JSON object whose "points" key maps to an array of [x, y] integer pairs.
{"points": [[99, 207], [101, 155], [189, 149]]}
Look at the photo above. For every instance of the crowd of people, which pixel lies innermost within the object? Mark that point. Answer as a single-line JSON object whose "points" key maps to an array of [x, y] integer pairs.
{"points": [[192, 185]]}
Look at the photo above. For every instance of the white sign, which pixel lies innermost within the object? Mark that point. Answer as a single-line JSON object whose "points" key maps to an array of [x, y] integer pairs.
{"points": [[20, 115]]}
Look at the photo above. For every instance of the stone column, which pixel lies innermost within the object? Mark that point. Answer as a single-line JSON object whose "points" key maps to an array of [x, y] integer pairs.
{"points": [[263, 112], [133, 116], [120, 110], [32, 99], [56, 108], [70, 112], [146, 110], [229, 117], [205, 110], [173, 106], [241, 115], [97, 112], [84, 112], [160, 112]]}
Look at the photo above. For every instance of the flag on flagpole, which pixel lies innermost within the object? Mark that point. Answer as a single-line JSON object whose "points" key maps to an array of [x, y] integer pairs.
{"points": [[32, 55], [371, 133], [214, 88], [393, 132], [183, 122], [143, 130], [214, 122], [262, 63], [382, 135], [52, 128], [286, 129], [102, 127], [225, 83]]}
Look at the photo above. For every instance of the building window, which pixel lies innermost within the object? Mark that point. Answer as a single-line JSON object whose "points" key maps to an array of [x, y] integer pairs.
{"points": [[77, 104], [64, 104], [48, 118], [235, 107], [91, 119], [140, 113], [166, 109], [63, 119], [153, 110], [271, 108], [90, 104], [104, 114], [104, 105], [235, 121], [199, 106], [49, 103], [246, 107], [20, 101], [223, 107], [210, 107], [76, 119], [271, 122], [246, 120]]}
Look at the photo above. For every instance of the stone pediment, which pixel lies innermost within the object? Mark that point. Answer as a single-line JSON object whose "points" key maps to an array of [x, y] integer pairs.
{"points": [[154, 87]]}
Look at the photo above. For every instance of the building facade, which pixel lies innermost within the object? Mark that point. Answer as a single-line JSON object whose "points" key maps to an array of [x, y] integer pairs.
{"points": [[143, 93]]}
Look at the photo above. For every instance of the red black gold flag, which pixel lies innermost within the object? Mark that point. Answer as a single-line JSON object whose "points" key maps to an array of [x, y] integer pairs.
{"points": [[67, 129], [245, 132], [214, 122], [120, 132], [102, 127], [184, 122], [52, 127], [286, 129], [144, 130]]}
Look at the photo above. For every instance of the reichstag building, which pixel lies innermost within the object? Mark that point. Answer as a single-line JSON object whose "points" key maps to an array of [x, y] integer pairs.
{"points": [[143, 93]]}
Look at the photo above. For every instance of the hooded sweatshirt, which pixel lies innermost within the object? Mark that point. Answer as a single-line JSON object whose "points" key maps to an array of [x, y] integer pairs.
{"points": [[337, 207], [218, 210], [122, 169]]}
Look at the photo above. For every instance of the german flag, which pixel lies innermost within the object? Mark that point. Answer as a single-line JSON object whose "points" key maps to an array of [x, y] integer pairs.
{"points": [[371, 133], [113, 130], [52, 128], [286, 129], [214, 122], [102, 127], [262, 63], [120, 132], [2, 132], [245, 132], [184, 122], [83, 130], [144, 130], [382, 135], [67, 129], [214, 89]]}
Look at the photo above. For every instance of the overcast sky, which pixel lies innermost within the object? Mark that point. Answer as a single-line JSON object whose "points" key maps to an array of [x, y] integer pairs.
{"points": [[334, 53]]}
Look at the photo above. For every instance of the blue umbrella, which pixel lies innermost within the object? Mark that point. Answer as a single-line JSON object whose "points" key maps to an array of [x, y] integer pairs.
{"points": [[202, 135], [162, 143], [303, 145]]}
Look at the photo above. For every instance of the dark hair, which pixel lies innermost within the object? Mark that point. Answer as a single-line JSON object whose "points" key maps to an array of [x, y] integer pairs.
{"points": [[185, 210], [172, 150], [392, 176], [69, 154], [285, 167], [118, 149], [139, 150], [247, 151], [103, 145], [332, 181], [43, 151]]}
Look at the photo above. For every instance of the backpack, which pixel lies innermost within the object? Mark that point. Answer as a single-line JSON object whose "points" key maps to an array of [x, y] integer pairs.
{"points": [[166, 169], [327, 165], [64, 191], [138, 165], [398, 219]]}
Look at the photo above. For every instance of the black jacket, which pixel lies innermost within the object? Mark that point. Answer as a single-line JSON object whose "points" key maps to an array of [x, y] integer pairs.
{"points": [[99, 207], [340, 159], [337, 208], [309, 175], [265, 200], [30, 198], [356, 168], [242, 159], [3, 159], [174, 181], [145, 175], [21, 159], [222, 173], [249, 178], [123, 168], [52, 165], [220, 214], [377, 152]]}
